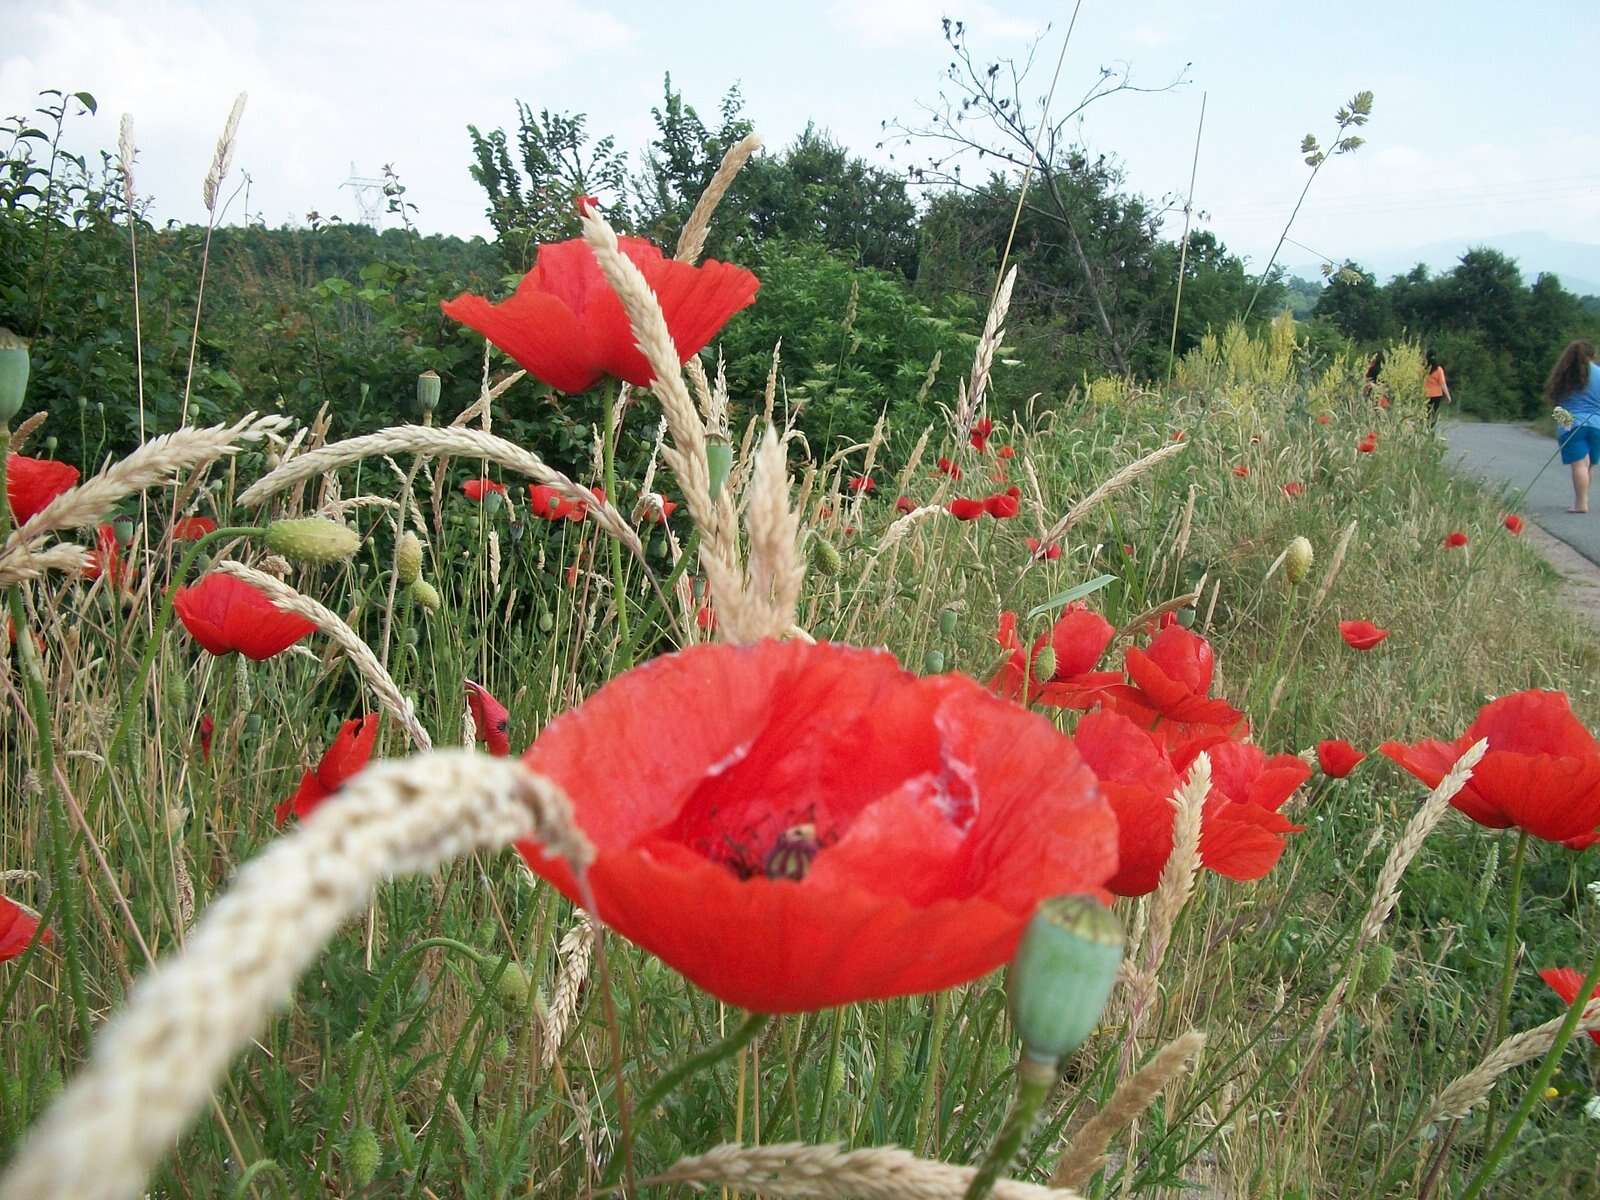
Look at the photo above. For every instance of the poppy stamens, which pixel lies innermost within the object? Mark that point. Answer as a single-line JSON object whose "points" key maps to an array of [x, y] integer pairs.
{"points": [[791, 855]]}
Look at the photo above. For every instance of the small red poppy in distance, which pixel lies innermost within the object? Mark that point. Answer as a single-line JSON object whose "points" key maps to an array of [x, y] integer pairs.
{"points": [[549, 503], [225, 614], [655, 508], [1052, 551], [207, 728], [1514, 523], [1006, 452], [16, 929], [490, 719], [477, 489], [1454, 540], [1177, 435], [964, 508], [192, 529], [349, 753], [946, 467], [1004, 505], [1541, 772], [1171, 682], [106, 558], [1338, 758], [905, 504], [1242, 471], [1324, 419], [1361, 635], [31, 483], [705, 618], [863, 483], [833, 829], [1293, 490], [1077, 639], [1565, 982], [1367, 444], [567, 327], [980, 434]]}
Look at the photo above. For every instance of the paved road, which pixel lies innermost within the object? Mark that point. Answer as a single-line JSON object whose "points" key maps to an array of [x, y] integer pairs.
{"points": [[1511, 455]]}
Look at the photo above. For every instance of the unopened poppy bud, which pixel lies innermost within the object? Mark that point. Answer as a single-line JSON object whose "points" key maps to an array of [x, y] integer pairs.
{"points": [[123, 529], [1058, 982], [546, 622], [1377, 966], [428, 385], [1186, 617], [514, 989], [1044, 663], [425, 594], [408, 558], [13, 375], [492, 502], [50, 444], [825, 555], [790, 857], [947, 622], [500, 1048], [719, 458], [933, 662], [312, 540], [1297, 560], [362, 1155]]}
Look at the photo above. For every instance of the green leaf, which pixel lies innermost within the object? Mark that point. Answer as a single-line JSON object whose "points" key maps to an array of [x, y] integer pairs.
{"points": [[1071, 594], [87, 100]]}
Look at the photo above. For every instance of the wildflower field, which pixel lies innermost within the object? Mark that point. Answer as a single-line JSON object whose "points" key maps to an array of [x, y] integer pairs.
{"points": [[1151, 790]]}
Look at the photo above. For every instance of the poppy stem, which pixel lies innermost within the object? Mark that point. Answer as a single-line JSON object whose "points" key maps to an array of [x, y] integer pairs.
{"points": [[691, 548], [1541, 1080], [1507, 974], [664, 1087], [1034, 1081], [619, 592]]}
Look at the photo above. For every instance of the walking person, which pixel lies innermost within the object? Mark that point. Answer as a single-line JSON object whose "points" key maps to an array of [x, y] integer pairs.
{"points": [[1435, 388], [1574, 385]]}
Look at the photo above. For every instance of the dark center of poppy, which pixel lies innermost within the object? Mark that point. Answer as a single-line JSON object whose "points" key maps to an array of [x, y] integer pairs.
{"points": [[791, 855]]}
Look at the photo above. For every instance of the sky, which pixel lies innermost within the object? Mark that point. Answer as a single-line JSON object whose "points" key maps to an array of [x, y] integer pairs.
{"points": [[1479, 128]]}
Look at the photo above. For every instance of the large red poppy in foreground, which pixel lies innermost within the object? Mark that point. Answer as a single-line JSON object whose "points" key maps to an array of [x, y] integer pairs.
{"points": [[1541, 772], [225, 614], [1171, 682], [1565, 982], [31, 483], [795, 826], [566, 325], [351, 750]]}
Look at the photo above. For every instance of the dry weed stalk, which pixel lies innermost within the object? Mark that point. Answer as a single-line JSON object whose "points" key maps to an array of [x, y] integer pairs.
{"points": [[1466, 1092], [155, 1063], [971, 402], [1084, 1155], [222, 159], [575, 951], [487, 395], [330, 624], [693, 238], [772, 591], [23, 564], [1160, 610], [799, 1171], [21, 434], [1110, 487]]}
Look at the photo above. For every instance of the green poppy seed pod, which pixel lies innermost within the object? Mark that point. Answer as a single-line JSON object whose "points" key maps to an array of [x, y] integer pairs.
{"points": [[947, 622], [312, 540], [1044, 664], [425, 594], [83, 403], [546, 622], [492, 502], [428, 385], [933, 662], [1297, 560], [123, 529], [408, 558], [1186, 617], [825, 556], [514, 990], [1058, 982], [719, 457], [362, 1155], [13, 375], [50, 444]]}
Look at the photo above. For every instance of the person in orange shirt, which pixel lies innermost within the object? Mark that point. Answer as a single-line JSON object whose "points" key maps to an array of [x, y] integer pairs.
{"points": [[1435, 388]]}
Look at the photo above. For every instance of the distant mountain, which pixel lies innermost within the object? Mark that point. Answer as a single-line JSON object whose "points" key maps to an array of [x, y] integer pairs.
{"points": [[1576, 264]]}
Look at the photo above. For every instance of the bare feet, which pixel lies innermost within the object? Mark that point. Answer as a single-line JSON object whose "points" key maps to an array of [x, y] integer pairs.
{"points": [[1577, 510]]}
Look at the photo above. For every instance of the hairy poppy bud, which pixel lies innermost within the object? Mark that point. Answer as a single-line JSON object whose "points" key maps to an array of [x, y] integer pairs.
{"points": [[408, 558], [312, 540], [947, 622], [546, 621], [428, 392], [933, 662], [1297, 560], [362, 1155], [1377, 965], [1186, 617], [1058, 982], [514, 989], [122, 527], [719, 457], [425, 594], [1044, 664], [825, 556], [13, 375]]}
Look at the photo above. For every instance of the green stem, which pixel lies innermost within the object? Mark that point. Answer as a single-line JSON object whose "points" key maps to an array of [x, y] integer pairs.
{"points": [[835, 1037], [618, 584], [1541, 1080], [1034, 1081], [1507, 974], [930, 1078], [690, 549], [663, 1087]]}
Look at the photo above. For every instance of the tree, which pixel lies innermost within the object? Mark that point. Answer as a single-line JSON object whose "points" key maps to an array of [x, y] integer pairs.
{"points": [[1355, 304]]}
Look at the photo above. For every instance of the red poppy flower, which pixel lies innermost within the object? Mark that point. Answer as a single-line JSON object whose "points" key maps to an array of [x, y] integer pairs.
{"points": [[1383, 402], [16, 929], [1078, 639], [1006, 452], [1324, 419], [1361, 635], [571, 575], [31, 483], [225, 614], [476, 489], [1053, 551], [1242, 471], [704, 618], [207, 728], [1338, 758], [1004, 505], [905, 504], [1565, 982], [1541, 772], [656, 508], [863, 483], [566, 325], [963, 508], [349, 753], [1455, 540], [980, 434], [946, 467], [1514, 523], [545, 501], [1294, 490], [490, 719], [1171, 681], [833, 829], [192, 529], [106, 558], [1367, 444], [1177, 435]]}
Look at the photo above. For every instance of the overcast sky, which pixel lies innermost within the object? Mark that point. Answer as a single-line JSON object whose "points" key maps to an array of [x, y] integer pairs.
{"points": [[1485, 120]]}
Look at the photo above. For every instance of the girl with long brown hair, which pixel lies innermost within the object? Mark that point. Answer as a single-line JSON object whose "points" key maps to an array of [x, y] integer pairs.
{"points": [[1574, 385]]}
